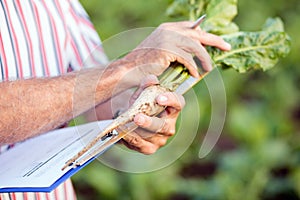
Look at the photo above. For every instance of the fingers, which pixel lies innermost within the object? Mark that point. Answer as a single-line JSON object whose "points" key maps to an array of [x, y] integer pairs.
{"points": [[198, 34], [192, 39], [162, 126], [146, 146], [152, 124], [173, 102], [200, 52], [154, 131], [187, 46], [186, 58], [214, 40], [149, 80], [172, 42], [166, 124]]}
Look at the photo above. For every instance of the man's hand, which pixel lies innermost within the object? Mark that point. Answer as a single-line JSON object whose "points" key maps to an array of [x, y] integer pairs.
{"points": [[154, 131], [171, 42]]}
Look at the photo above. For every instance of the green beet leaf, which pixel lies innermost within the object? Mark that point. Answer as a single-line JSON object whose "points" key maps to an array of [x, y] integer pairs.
{"points": [[220, 14], [254, 50], [179, 8], [250, 50]]}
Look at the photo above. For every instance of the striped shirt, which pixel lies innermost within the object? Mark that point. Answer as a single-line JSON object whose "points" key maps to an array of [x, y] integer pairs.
{"points": [[44, 38]]}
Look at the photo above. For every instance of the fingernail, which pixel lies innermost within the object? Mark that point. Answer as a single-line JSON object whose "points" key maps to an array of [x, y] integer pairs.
{"points": [[140, 120], [162, 98], [210, 67], [197, 75], [227, 46]]}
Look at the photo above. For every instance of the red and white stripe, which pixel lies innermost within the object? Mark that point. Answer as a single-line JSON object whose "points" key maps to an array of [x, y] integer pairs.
{"points": [[41, 38], [64, 191]]}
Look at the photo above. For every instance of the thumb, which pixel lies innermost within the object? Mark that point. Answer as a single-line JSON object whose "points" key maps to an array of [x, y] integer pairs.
{"points": [[146, 82]]}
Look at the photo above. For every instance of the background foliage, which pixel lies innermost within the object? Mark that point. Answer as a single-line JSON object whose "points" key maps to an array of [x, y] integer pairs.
{"points": [[257, 156]]}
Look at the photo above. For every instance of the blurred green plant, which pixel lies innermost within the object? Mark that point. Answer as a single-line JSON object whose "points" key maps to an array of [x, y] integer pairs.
{"points": [[257, 156], [249, 50]]}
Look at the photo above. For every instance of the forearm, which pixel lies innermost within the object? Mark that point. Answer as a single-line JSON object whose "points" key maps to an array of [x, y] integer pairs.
{"points": [[33, 106]]}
